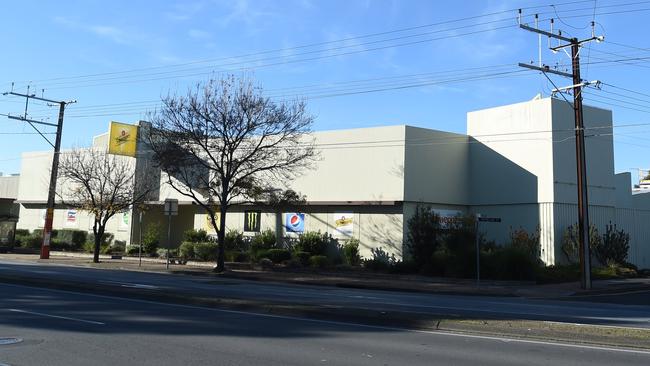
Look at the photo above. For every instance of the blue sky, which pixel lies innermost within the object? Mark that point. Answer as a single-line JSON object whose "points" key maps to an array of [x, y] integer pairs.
{"points": [[337, 54]]}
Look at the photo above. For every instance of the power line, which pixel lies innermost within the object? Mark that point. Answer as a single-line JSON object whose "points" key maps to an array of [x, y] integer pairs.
{"points": [[286, 49], [309, 52], [618, 100]]}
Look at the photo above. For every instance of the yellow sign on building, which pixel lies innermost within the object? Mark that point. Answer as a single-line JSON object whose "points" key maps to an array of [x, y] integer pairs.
{"points": [[122, 139], [207, 223]]}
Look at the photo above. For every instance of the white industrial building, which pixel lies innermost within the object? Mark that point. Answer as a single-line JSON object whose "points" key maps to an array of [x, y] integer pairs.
{"points": [[516, 162]]}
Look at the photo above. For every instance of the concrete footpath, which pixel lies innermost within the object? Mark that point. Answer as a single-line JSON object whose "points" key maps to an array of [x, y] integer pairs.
{"points": [[518, 328], [347, 279]]}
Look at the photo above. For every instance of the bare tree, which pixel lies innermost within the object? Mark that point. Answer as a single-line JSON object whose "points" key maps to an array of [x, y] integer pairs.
{"points": [[102, 185], [225, 143]]}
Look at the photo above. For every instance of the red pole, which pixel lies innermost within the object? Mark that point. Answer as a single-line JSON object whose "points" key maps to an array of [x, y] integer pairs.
{"points": [[49, 215]]}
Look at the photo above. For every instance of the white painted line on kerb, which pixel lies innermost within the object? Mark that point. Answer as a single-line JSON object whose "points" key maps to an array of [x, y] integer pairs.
{"points": [[56, 316]]}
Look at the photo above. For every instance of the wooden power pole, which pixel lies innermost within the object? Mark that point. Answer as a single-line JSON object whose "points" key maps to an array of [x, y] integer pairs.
{"points": [[51, 193], [581, 166]]}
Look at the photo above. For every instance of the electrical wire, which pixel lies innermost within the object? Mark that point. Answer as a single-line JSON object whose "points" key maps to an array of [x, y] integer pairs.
{"points": [[287, 49]]}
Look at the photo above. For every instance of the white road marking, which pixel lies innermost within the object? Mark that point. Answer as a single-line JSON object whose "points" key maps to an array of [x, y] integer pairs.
{"points": [[364, 297], [331, 322], [131, 285], [55, 316]]}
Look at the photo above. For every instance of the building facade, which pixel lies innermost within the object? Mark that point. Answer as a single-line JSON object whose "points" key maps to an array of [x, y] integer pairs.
{"points": [[516, 162]]}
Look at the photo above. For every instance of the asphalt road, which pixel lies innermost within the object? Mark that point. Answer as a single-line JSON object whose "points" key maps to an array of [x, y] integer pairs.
{"points": [[583, 312], [626, 297], [67, 328]]}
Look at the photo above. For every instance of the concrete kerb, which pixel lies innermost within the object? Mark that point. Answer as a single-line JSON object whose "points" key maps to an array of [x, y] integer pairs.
{"points": [[362, 281], [521, 329]]}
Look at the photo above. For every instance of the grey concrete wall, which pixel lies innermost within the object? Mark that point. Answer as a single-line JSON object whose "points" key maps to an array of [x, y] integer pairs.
{"points": [[9, 187], [356, 165], [599, 151], [510, 154], [436, 167]]}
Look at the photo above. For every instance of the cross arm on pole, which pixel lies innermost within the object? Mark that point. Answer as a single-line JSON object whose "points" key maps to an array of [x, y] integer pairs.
{"points": [[543, 32], [32, 121], [547, 69], [33, 96]]}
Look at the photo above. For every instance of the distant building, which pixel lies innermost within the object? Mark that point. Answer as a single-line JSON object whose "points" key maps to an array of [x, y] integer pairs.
{"points": [[517, 162], [9, 209], [644, 182]]}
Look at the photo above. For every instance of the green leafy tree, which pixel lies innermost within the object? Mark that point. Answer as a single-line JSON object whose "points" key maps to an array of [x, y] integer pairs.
{"points": [[422, 237]]}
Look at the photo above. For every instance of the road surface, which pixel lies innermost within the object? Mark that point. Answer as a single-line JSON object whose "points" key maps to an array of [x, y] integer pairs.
{"points": [[67, 328], [583, 312]]}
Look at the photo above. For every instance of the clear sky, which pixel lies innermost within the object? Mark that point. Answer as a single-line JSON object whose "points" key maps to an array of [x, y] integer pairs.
{"points": [[359, 63]]}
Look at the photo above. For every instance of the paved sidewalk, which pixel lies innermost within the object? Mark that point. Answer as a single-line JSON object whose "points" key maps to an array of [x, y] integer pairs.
{"points": [[351, 279]]}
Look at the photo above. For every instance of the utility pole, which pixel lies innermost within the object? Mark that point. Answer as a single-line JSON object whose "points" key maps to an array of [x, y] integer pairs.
{"points": [[581, 166], [49, 216]]}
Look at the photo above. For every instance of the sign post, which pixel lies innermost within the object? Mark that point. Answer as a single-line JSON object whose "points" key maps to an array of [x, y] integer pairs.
{"points": [[478, 249], [171, 209]]}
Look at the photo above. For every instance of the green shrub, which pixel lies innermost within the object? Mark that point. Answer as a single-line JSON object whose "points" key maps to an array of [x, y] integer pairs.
{"points": [[262, 241], [32, 242], [570, 242], [234, 240], [318, 261], [106, 239], [313, 242], [404, 267], [260, 254], [266, 263], [237, 256], [206, 251], [162, 253], [89, 247], [60, 245], [375, 265], [242, 257], [422, 239], [380, 261], [294, 263], [350, 250], [278, 255], [509, 263], [439, 262], [22, 232], [302, 257], [151, 239], [196, 236], [459, 241], [118, 246], [186, 250], [133, 250], [614, 247], [74, 238], [527, 242]]}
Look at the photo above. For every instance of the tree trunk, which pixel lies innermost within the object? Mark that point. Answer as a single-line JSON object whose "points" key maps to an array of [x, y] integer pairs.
{"points": [[98, 241], [221, 241]]}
